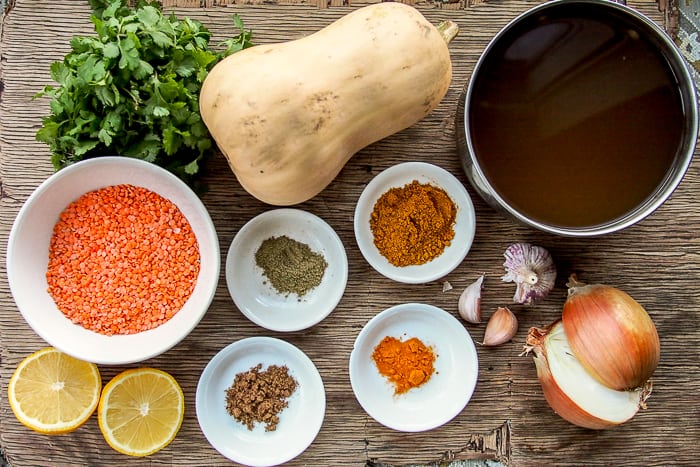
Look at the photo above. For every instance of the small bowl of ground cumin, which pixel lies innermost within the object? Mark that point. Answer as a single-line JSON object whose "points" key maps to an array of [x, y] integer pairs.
{"points": [[113, 260], [413, 367], [260, 401], [286, 269], [414, 222]]}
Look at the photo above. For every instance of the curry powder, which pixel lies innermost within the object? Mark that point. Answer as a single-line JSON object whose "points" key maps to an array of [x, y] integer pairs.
{"points": [[413, 224], [407, 364]]}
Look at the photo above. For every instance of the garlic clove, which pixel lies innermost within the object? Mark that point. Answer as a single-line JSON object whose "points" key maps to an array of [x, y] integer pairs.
{"points": [[469, 305], [571, 391], [533, 271], [501, 327]]}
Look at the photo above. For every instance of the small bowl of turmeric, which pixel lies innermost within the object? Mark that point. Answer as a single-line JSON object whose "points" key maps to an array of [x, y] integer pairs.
{"points": [[113, 260], [414, 367], [414, 222]]}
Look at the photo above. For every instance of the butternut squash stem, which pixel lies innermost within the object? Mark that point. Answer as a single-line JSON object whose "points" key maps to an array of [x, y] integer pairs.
{"points": [[448, 30]]}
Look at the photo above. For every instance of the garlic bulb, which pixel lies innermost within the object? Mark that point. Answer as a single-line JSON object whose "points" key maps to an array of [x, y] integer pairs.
{"points": [[469, 305], [501, 327], [533, 271], [573, 393]]}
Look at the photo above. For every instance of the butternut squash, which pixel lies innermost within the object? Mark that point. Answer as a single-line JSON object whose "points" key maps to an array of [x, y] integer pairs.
{"points": [[288, 116]]}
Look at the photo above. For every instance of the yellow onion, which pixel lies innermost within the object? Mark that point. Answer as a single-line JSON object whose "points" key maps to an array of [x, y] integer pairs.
{"points": [[611, 334], [569, 388]]}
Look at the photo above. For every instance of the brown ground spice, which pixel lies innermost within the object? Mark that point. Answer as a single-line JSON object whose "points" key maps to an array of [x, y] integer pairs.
{"points": [[260, 396]]}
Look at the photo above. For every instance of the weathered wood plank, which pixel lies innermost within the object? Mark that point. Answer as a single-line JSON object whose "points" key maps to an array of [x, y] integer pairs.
{"points": [[507, 419]]}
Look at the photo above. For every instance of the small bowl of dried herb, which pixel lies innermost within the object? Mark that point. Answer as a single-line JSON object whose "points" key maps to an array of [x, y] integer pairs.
{"points": [[413, 367], [414, 222], [286, 269], [260, 401]]}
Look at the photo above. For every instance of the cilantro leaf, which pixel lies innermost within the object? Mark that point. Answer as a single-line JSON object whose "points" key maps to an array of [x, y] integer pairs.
{"points": [[149, 16], [110, 50]]}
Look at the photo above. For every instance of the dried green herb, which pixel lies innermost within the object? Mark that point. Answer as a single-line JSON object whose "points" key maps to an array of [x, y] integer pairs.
{"points": [[133, 89], [290, 266]]}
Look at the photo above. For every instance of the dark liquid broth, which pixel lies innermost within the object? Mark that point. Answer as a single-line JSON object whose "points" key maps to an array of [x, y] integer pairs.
{"points": [[576, 118]]}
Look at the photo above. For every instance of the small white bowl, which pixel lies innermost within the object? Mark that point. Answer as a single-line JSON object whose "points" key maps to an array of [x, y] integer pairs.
{"points": [[257, 299], [299, 422], [398, 176], [438, 400], [28, 253]]}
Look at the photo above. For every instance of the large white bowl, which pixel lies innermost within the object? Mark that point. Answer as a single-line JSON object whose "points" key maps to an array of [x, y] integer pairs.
{"points": [[464, 227], [299, 422], [438, 400], [28, 248], [257, 299]]}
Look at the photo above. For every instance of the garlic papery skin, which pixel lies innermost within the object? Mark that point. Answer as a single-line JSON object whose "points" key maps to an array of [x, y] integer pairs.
{"points": [[501, 327], [611, 334], [469, 305], [571, 391], [533, 271]]}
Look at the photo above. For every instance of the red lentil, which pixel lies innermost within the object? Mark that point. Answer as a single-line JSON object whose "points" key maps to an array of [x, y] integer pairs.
{"points": [[122, 260]]}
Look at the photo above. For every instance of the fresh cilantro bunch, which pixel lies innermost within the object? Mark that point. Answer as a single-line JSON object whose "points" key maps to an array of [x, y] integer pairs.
{"points": [[133, 89]]}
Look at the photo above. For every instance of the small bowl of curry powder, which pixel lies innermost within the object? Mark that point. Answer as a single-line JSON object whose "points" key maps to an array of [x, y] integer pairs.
{"points": [[414, 222]]}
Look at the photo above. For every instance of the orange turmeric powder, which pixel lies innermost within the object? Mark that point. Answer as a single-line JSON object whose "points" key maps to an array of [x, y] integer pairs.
{"points": [[407, 364], [413, 224]]}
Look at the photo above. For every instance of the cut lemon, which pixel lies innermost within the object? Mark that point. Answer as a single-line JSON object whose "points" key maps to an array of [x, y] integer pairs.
{"points": [[141, 411], [53, 393]]}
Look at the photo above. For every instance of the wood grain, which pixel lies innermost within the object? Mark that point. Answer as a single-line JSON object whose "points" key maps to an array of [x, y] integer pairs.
{"points": [[508, 419]]}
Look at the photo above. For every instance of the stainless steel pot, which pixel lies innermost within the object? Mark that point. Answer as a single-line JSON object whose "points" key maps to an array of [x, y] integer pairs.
{"points": [[686, 148]]}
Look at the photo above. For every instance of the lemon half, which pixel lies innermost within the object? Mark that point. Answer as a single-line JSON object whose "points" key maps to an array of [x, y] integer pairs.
{"points": [[140, 411], [52, 392]]}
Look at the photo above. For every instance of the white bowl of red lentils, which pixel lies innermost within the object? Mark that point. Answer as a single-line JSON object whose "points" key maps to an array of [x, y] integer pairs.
{"points": [[414, 222], [113, 260]]}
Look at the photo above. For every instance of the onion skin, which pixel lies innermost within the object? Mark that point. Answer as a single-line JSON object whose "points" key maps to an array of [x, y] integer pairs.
{"points": [[611, 334]]}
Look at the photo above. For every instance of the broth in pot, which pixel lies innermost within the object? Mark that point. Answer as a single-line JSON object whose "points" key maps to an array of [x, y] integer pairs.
{"points": [[575, 116]]}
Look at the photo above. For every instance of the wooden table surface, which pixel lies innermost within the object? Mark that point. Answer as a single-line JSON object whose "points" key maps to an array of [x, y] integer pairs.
{"points": [[656, 261]]}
